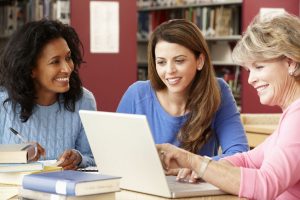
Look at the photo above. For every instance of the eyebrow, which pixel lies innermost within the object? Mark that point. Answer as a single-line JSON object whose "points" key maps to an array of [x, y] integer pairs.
{"points": [[174, 57]]}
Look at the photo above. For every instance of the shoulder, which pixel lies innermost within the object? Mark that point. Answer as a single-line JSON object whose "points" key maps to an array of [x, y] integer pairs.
{"points": [[222, 83], [140, 88], [291, 115], [87, 100], [140, 85], [224, 88], [86, 94]]}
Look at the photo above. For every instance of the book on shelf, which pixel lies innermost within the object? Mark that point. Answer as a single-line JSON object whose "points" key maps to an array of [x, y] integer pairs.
{"points": [[20, 167], [71, 183], [17, 153], [31, 194], [16, 178]]}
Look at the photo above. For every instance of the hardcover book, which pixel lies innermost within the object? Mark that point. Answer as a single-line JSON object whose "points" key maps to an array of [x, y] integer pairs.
{"points": [[17, 153], [16, 178], [31, 194], [71, 183], [21, 167]]}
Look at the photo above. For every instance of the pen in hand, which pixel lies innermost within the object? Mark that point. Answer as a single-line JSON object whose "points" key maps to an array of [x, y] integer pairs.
{"points": [[37, 148], [18, 135]]}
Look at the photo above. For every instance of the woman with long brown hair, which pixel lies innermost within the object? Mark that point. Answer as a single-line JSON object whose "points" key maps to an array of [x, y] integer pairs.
{"points": [[184, 102]]}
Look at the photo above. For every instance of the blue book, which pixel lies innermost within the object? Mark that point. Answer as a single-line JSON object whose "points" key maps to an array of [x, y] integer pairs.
{"points": [[71, 183]]}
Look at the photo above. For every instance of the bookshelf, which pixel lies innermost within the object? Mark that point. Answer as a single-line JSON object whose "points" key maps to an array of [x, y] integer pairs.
{"points": [[219, 20], [106, 75], [15, 13]]}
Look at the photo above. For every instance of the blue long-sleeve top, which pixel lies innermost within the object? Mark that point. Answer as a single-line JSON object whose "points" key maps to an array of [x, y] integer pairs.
{"points": [[229, 134], [53, 127]]}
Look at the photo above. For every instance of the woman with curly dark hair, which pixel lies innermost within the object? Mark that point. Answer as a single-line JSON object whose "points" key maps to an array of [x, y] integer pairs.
{"points": [[41, 92]]}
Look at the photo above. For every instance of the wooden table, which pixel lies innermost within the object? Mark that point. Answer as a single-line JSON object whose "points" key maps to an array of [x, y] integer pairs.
{"points": [[11, 192], [129, 195]]}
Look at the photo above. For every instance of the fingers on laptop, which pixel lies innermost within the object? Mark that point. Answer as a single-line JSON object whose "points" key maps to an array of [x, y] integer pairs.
{"points": [[187, 175]]}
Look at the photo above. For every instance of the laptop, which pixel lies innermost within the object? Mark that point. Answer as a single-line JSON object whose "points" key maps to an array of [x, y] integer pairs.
{"points": [[122, 145]]}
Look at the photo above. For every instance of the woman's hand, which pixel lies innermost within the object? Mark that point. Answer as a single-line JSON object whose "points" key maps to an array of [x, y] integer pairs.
{"points": [[69, 160], [178, 162], [173, 157], [37, 151], [187, 175]]}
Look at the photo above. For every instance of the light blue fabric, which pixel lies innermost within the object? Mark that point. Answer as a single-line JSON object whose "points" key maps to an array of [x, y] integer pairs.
{"points": [[140, 98], [55, 128]]}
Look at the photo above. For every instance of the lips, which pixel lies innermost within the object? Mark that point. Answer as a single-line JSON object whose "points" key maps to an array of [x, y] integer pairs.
{"points": [[261, 88], [62, 79], [173, 81]]}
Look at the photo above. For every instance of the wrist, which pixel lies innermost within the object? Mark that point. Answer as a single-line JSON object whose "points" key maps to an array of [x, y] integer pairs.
{"points": [[205, 160], [80, 155]]}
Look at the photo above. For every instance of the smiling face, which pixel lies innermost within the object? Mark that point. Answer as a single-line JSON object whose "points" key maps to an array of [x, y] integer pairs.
{"points": [[273, 83], [176, 66], [52, 72]]}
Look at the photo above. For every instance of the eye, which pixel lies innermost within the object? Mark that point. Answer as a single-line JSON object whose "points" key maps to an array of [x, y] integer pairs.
{"points": [[160, 62], [56, 61], [259, 67], [68, 58], [179, 61]]}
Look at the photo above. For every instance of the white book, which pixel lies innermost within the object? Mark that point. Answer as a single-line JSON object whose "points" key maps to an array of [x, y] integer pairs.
{"points": [[31, 194]]}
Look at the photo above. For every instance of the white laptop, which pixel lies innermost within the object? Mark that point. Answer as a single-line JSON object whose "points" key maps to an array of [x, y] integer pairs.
{"points": [[122, 145]]}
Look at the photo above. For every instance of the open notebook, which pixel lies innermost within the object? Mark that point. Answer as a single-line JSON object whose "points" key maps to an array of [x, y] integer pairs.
{"points": [[122, 145]]}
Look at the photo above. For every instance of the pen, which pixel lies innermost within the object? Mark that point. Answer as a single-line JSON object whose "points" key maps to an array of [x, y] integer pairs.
{"points": [[18, 134]]}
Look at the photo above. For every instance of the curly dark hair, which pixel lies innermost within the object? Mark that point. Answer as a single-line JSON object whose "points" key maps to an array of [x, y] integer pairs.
{"points": [[19, 57]]}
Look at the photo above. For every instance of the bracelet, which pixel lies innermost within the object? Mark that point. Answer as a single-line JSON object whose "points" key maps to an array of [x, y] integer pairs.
{"points": [[205, 161]]}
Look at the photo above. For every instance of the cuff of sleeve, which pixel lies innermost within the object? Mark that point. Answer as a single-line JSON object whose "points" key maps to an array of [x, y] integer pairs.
{"points": [[83, 162]]}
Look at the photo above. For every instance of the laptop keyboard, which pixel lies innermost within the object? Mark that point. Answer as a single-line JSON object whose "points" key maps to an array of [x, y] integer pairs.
{"points": [[181, 186]]}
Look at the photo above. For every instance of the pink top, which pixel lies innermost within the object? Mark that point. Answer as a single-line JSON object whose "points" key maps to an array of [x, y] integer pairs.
{"points": [[272, 169]]}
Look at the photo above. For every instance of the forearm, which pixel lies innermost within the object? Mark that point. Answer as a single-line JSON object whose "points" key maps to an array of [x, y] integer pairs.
{"points": [[221, 174]]}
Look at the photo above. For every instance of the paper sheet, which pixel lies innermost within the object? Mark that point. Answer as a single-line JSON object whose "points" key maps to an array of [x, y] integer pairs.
{"points": [[104, 27]]}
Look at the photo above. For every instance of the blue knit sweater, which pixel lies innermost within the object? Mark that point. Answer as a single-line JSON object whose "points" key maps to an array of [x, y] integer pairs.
{"points": [[53, 127]]}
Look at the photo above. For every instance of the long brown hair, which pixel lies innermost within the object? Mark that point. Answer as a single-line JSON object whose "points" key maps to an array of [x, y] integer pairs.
{"points": [[204, 95]]}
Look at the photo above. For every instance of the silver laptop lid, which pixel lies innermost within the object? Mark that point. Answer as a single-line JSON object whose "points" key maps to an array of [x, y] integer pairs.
{"points": [[122, 145]]}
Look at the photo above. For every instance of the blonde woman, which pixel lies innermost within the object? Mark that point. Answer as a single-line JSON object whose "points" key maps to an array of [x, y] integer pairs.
{"points": [[270, 51], [185, 104]]}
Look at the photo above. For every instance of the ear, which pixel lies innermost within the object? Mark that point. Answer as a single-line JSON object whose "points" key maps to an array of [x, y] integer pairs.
{"points": [[292, 66], [200, 61]]}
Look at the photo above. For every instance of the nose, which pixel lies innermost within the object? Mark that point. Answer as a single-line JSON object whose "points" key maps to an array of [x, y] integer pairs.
{"points": [[251, 78], [66, 67], [171, 68]]}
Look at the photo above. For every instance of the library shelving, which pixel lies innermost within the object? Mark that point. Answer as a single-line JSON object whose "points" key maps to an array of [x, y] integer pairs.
{"points": [[15, 13], [106, 75], [220, 22]]}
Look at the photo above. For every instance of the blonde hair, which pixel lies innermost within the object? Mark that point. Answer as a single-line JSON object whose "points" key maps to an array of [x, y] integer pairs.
{"points": [[268, 39], [204, 95]]}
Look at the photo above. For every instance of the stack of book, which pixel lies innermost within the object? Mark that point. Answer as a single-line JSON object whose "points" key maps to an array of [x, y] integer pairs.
{"points": [[15, 164], [70, 185]]}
